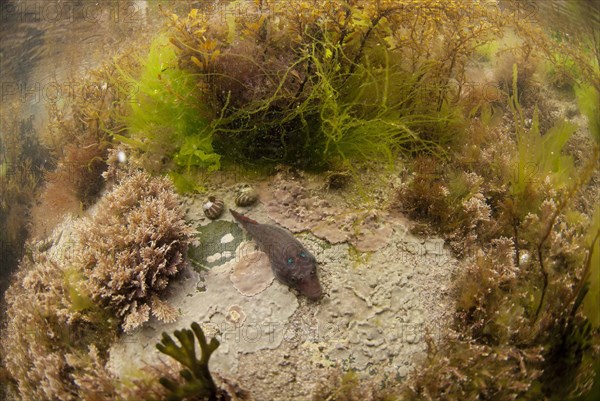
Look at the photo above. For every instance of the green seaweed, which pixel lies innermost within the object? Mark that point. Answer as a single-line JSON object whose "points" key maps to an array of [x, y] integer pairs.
{"points": [[165, 116], [197, 377], [315, 91], [331, 90], [588, 98], [372, 113], [591, 277], [539, 156]]}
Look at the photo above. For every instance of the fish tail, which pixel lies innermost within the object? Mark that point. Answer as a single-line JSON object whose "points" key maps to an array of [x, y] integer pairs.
{"points": [[242, 219]]}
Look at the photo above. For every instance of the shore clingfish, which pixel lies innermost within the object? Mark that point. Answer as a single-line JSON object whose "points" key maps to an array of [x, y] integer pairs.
{"points": [[291, 262]]}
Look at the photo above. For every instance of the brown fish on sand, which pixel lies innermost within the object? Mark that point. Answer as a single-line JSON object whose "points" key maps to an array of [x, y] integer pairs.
{"points": [[291, 262]]}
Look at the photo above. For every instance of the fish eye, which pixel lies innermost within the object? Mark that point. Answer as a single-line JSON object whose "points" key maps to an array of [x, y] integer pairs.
{"points": [[302, 254], [290, 261]]}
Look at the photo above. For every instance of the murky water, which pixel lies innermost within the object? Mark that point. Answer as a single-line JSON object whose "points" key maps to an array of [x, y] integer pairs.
{"points": [[44, 44]]}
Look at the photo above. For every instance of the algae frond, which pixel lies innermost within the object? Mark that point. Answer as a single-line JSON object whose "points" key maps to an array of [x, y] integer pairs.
{"points": [[197, 377], [165, 119]]}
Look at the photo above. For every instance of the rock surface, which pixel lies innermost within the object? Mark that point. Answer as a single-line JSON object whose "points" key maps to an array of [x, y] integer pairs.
{"points": [[378, 308]]}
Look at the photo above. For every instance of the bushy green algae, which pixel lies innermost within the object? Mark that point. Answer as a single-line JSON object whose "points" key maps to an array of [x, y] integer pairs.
{"points": [[338, 89], [166, 117], [370, 115], [345, 89]]}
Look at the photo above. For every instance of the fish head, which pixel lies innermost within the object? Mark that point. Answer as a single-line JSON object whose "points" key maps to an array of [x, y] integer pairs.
{"points": [[300, 271], [310, 286]]}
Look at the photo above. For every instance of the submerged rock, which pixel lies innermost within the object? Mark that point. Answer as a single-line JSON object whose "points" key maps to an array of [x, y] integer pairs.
{"points": [[292, 205], [377, 310]]}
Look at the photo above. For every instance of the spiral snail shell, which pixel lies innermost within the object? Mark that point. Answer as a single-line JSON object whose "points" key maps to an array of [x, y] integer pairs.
{"points": [[246, 196], [213, 208]]}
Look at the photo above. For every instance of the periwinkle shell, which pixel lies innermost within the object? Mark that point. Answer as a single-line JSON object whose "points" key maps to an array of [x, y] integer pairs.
{"points": [[213, 209], [246, 196]]}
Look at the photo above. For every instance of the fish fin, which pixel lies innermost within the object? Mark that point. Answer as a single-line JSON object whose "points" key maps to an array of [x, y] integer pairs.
{"points": [[242, 219]]}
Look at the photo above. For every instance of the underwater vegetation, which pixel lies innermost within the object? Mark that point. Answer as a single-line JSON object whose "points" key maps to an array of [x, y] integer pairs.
{"points": [[22, 160], [573, 54], [164, 118], [132, 246], [323, 88], [353, 83], [46, 327], [199, 383], [525, 327], [68, 304], [70, 187], [78, 146]]}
